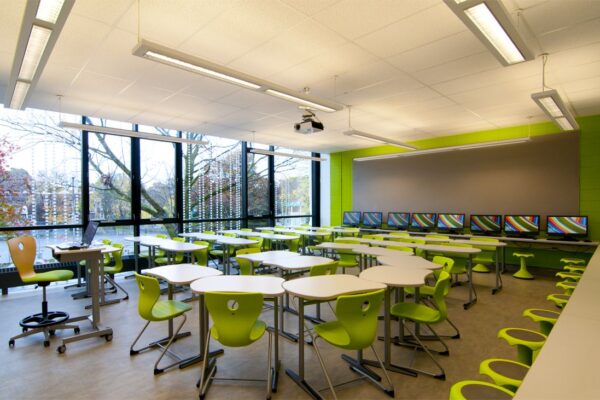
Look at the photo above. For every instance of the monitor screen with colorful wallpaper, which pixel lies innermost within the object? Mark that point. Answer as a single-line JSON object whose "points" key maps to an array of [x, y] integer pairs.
{"points": [[521, 225], [398, 220], [450, 222], [574, 226], [372, 219], [423, 221], [486, 224], [351, 218]]}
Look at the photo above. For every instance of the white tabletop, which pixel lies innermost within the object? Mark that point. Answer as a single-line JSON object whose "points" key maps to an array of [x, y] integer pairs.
{"points": [[327, 287], [297, 262], [480, 243], [432, 239], [450, 249], [145, 240], [202, 236], [175, 246], [267, 285], [380, 251], [239, 232], [269, 255], [311, 233], [396, 277], [408, 262], [386, 243], [272, 236], [181, 274], [337, 246], [104, 249]]}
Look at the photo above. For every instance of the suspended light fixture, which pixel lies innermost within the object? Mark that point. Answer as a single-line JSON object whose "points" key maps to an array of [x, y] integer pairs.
{"points": [[283, 154], [373, 138], [42, 22]]}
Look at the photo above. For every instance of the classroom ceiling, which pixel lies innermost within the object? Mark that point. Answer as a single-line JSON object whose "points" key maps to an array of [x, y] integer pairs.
{"points": [[410, 68]]}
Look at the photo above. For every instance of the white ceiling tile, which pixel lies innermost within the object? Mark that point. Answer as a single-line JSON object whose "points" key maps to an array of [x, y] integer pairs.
{"points": [[106, 11], [211, 111], [117, 113], [56, 79], [573, 36], [424, 27], [10, 25], [380, 90], [310, 7], [554, 16], [101, 87], [138, 93], [450, 48], [462, 67]]}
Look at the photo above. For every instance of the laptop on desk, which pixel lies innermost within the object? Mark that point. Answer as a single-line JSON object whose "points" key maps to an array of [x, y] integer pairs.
{"points": [[86, 239]]}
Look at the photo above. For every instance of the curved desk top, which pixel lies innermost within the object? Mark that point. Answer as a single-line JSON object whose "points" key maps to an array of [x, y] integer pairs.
{"points": [[380, 251], [408, 262], [297, 262], [181, 274], [327, 287], [450, 249], [396, 277], [267, 285]]}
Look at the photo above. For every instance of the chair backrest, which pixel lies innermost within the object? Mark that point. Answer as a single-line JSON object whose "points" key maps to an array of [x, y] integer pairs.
{"points": [[159, 252], [373, 237], [268, 232], [229, 234], [149, 295], [401, 239], [118, 257], [358, 315], [437, 236], [209, 232], [161, 236], [486, 248], [246, 267], [447, 263], [106, 256], [347, 240], [293, 244], [400, 234], [246, 229], [401, 248], [234, 315], [440, 291], [455, 256], [258, 245], [201, 256], [324, 269], [350, 232], [22, 252]]}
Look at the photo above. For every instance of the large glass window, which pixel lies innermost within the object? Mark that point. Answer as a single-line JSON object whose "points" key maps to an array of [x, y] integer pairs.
{"points": [[109, 173], [293, 185], [258, 184], [212, 181], [158, 175]]}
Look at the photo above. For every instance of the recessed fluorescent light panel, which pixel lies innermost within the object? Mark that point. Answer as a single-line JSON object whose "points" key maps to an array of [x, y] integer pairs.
{"points": [[446, 149], [42, 22], [178, 59], [551, 103], [124, 132], [490, 22], [378, 139]]}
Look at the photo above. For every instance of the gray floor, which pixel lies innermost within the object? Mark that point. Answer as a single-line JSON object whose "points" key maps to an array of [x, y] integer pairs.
{"points": [[95, 369]]}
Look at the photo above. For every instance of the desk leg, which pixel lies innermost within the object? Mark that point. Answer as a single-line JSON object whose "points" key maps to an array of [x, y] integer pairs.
{"points": [[203, 322], [277, 364], [472, 294], [498, 286], [299, 376]]}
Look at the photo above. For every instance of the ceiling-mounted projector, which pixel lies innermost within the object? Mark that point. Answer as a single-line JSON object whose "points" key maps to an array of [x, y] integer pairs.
{"points": [[310, 123]]}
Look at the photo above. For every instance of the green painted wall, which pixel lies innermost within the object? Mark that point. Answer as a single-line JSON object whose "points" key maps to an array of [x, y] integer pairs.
{"points": [[341, 164]]}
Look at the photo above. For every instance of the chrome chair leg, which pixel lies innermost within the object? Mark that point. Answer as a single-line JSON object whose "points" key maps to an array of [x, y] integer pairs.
{"points": [[166, 348], [314, 342]]}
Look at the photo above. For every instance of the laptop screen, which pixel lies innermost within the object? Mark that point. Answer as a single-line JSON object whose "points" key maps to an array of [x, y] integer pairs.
{"points": [[90, 232]]}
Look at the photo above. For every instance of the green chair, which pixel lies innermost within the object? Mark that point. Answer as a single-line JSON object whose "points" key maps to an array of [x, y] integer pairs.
{"points": [[486, 257], [319, 270], [347, 258], [259, 243], [350, 232], [267, 245], [478, 390], [569, 276], [164, 260], [373, 237], [246, 229], [106, 259], [506, 373], [319, 239], [427, 291], [235, 324], [560, 300], [418, 252], [246, 266], [201, 256], [117, 267], [423, 314], [461, 262], [293, 244], [219, 253], [437, 236], [528, 342], [546, 318], [567, 286], [354, 329], [22, 253], [152, 309], [400, 234], [573, 264], [401, 248], [523, 273]]}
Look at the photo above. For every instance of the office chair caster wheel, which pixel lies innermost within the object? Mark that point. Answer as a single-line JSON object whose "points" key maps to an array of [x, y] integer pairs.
{"points": [[108, 337], [61, 349], [76, 330], [11, 343], [46, 343], [52, 332]]}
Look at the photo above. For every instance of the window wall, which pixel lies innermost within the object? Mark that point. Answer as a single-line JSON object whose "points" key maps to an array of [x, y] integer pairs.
{"points": [[54, 180]]}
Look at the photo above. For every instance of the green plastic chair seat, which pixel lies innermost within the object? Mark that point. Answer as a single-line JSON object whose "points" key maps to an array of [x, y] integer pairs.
{"points": [[506, 373], [559, 299], [50, 276], [567, 286], [416, 312], [546, 318], [570, 260], [528, 342], [479, 390], [525, 255], [334, 333], [572, 268], [168, 309], [256, 332], [574, 276]]}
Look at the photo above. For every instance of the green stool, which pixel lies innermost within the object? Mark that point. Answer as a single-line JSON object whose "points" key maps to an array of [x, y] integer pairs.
{"points": [[523, 273], [573, 261], [559, 299], [506, 373], [546, 318], [528, 342], [486, 257], [570, 276], [572, 268], [477, 390], [567, 286]]}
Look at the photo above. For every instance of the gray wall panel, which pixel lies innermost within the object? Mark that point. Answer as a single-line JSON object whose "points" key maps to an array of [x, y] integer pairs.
{"points": [[538, 177]]}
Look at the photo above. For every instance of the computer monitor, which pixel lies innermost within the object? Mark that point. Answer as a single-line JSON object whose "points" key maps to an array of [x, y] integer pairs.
{"points": [[351, 218], [89, 233], [450, 222], [521, 225], [372, 219], [486, 224], [398, 220], [422, 221], [563, 226]]}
